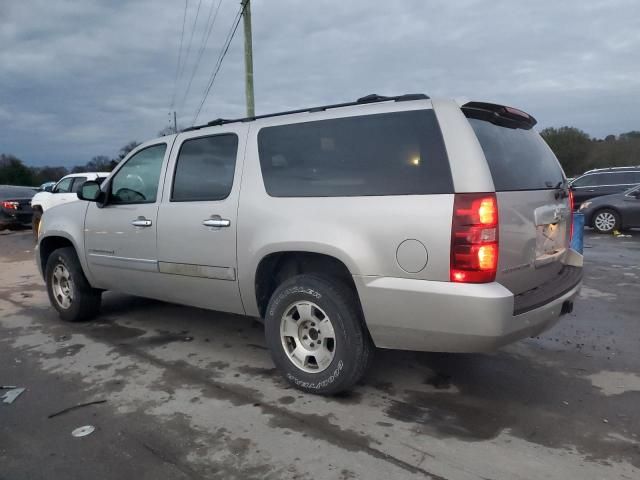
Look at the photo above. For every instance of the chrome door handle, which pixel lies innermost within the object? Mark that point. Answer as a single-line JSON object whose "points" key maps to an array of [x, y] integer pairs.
{"points": [[141, 222], [216, 222]]}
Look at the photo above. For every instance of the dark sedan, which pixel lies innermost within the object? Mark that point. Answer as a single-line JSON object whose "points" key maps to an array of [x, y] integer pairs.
{"points": [[15, 206], [613, 212]]}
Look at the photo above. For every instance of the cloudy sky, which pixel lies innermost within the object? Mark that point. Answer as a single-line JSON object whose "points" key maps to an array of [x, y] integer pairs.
{"points": [[80, 78]]}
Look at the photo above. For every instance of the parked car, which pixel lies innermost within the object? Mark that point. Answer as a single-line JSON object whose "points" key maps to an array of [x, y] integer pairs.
{"points": [[604, 181], [613, 212], [61, 192], [47, 186], [395, 222], [15, 206]]}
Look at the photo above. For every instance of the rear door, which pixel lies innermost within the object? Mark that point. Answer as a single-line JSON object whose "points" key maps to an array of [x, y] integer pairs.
{"points": [[197, 219], [533, 205]]}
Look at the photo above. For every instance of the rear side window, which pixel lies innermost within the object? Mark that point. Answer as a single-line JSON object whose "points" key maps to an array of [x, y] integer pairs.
{"points": [[77, 184], [400, 153], [519, 159], [205, 168]]}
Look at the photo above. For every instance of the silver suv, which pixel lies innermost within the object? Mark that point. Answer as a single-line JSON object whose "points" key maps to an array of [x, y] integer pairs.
{"points": [[393, 222]]}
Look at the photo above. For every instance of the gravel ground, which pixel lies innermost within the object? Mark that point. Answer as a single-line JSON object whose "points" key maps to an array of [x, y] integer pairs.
{"points": [[193, 394]]}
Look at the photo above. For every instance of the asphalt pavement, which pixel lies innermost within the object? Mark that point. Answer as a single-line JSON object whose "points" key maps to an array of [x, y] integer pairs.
{"points": [[193, 394]]}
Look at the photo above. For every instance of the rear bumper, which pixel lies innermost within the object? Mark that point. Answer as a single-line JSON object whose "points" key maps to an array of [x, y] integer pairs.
{"points": [[18, 218], [408, 314]]}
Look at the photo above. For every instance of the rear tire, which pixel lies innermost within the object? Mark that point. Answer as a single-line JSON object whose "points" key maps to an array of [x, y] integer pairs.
{"points": [[35, 223], [316, 334], [606, 221], [69, 291]]}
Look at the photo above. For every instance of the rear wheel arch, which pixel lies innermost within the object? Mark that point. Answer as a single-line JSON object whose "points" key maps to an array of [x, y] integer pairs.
{"points": [[275, 268]]}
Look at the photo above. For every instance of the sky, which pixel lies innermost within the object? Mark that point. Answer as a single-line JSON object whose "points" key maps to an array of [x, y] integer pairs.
{"points": [[80, 78]]}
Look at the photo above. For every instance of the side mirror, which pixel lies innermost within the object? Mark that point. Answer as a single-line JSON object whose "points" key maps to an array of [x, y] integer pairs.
{"points": [[90, 191], [48, 188]]}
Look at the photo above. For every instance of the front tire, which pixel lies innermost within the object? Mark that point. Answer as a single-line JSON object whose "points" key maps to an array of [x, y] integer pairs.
{"points": [[316, 334], [606, 221], [69, 291]]}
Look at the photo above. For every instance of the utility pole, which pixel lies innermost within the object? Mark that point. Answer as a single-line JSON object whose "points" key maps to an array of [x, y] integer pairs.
{"points": [[175, 123], [248, 58]]}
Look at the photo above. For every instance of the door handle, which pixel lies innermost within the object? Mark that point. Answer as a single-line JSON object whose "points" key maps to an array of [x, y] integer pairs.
{"points": [[591, 190], [216, 222], [141, 222]]}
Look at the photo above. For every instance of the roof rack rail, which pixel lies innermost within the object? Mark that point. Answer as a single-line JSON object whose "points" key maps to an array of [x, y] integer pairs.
{"points": [[602, 169], [372, 98]]}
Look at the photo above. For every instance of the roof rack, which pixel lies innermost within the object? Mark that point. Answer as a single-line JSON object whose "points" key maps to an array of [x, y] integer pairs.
{"points": [[629, 167], [372, 98]]}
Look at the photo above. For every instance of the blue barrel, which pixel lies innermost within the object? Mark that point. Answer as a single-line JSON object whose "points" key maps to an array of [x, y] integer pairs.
{"points": [[577, 241]]}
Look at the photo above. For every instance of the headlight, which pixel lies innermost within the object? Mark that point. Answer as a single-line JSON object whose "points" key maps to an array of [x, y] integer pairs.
{"points": [[584, 205]]}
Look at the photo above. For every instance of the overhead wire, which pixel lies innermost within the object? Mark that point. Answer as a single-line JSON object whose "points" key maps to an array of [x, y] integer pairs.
{"points": [[175, 81], [223, 53], [203, 45]]}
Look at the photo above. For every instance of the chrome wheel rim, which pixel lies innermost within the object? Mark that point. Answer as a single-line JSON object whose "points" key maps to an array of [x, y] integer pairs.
{"points": [[605, 221], [307, 336], [62, 286]]}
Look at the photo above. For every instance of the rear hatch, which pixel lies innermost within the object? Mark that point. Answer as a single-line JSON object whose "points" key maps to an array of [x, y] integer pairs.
{"points": [[534, 208]]}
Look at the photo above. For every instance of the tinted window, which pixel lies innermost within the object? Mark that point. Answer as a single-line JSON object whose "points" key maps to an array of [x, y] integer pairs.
{"points": [[137, 180], [635, 177], [77, 183], [204, 169], [64, 185], [386, 154], [586, 181], [518, 159]]}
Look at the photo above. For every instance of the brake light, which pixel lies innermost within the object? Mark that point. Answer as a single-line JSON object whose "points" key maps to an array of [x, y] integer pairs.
{"points": [[571, 216], [474, 238], [10, 205]]}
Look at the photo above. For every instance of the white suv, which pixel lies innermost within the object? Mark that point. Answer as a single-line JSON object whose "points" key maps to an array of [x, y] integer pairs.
{"points": [[64, 191]]}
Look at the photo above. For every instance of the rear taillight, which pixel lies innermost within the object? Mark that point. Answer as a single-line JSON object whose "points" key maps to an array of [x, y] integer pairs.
{"points": [[474, 238], [10, 205], [571, 216]]}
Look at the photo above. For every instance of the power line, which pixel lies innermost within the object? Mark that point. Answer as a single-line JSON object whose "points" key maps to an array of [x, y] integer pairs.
{"points": [[203, 45], [193, 30], [223, 52], [175, 82]]}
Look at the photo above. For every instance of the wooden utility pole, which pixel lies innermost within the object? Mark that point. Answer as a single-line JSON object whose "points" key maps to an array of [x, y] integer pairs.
{"points": [[248, 58], [175, 123]]}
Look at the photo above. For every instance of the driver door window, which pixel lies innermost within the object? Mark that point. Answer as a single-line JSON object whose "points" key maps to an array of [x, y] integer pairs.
{"points": [[137, 181], [63, 186]]}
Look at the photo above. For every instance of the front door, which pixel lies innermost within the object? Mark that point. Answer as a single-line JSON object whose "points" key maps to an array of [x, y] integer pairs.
{"points": [[120, 236], [197, 220]]}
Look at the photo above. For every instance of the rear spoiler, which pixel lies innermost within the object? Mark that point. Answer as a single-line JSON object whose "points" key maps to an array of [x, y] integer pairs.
{"points": [[508, 117]]}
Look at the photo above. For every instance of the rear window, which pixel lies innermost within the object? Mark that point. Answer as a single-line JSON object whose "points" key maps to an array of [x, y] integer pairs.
{"points": [[518, 159], [400, 153]]}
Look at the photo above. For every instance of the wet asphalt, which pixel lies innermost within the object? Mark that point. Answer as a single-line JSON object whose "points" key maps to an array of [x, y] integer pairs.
{"points": [[193, 394]]}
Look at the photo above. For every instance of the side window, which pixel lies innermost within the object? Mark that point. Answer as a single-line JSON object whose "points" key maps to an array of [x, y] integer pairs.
{"points": [[63, 186], [137, 181], [204, 168], [586, 181], [77, 183], [635, 177], [400, 153]]}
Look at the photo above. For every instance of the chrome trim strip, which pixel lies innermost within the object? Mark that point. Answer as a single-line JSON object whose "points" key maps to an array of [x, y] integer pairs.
{"points": [[142, 264], [201, 271]]}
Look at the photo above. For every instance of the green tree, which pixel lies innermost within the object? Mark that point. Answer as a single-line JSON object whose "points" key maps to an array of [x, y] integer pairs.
{"points": [[14, 172], [571, 146]]}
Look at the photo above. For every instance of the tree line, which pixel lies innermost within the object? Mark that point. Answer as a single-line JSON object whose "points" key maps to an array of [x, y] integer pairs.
{"points": [[576, 150], [13, 171]]}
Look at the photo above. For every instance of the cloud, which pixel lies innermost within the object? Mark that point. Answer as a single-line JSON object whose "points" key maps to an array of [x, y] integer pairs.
{"points": [[80, 79]]}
